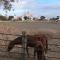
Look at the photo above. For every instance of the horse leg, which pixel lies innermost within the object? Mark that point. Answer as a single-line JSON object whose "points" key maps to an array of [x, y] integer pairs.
{"points": [[40, 55], [34, 52], [27, 50], [43, 56]]}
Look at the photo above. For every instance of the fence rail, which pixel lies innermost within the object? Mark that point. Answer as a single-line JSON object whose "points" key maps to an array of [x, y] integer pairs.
{"points": [[5, 54]]}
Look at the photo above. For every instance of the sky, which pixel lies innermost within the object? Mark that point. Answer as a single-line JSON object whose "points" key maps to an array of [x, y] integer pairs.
{"points": [[48, 8]]}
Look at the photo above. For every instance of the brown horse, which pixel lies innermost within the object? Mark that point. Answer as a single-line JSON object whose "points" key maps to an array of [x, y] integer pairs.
{"points": [[31, 42], [34, 40]]}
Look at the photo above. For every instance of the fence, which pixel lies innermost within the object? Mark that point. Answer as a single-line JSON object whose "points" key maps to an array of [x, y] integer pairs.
{"points": [[16, 53]]}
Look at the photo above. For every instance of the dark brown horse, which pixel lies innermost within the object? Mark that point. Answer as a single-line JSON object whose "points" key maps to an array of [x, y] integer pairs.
{"points": [[31, 42]]}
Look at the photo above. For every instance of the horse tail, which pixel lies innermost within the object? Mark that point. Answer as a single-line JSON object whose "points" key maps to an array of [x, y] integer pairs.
{"points": [[46, 38], [46, 46]]}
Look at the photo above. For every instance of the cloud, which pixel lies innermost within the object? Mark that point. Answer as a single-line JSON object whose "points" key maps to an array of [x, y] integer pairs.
{"points": [[51, 6], [36, 7], [25, 4], [19, 4]]}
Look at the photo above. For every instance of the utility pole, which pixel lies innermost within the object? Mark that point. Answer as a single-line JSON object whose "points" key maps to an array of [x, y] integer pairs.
{"points": [[24, 42]]}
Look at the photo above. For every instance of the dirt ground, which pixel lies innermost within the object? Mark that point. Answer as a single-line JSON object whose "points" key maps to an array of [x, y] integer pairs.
{"points": [[10, 30]]}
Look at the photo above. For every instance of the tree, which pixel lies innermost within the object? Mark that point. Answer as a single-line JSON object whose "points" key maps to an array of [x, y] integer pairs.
{"points": [[10, 17], [42, 17], [25, 17], [6, 4], [57, 17]]}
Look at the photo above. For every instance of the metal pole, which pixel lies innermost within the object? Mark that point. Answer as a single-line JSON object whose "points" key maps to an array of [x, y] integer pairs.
{"points": [[24, 41]]}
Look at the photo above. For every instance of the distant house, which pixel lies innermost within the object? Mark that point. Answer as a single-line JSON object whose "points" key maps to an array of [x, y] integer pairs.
{"points": [[27, 16], [15, 18]]}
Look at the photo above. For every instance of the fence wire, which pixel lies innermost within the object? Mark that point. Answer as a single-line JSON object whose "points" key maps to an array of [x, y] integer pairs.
{"points": [[15, 54]]}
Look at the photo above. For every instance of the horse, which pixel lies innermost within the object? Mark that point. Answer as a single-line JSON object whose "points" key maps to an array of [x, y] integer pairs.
{"points": [[34, 38], [31, 42]]}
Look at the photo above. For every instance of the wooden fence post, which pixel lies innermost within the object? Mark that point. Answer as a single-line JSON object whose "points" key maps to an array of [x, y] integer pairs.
{"points": [[24, 42]]}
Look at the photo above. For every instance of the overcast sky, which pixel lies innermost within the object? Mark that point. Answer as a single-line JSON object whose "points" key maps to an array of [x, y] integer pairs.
{"points": [[48, 8]]}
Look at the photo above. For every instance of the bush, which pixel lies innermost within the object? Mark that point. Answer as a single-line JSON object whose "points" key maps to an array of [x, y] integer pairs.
{"points": [[3, 18]]}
